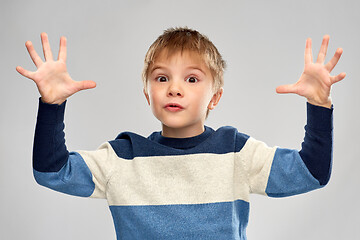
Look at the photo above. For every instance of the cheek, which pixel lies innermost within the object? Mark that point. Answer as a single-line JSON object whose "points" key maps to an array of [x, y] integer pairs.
{"points": [[154, 97], [202, 101], [152, 93], [204, 95]]}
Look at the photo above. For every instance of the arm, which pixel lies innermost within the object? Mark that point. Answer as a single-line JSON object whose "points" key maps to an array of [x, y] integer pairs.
{"points": [[294, 172], [82, 173], [53, 165], [315, 84], [316, 149], [281, 172], [291, 171]]}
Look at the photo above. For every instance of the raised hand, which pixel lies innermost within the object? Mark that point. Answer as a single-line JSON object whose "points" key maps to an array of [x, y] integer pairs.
{"points": [[51, 77], [315, 82]]}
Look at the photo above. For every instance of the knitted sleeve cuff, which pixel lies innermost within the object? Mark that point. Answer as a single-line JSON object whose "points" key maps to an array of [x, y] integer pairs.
{"points": [[51, 113], [319, 118]]}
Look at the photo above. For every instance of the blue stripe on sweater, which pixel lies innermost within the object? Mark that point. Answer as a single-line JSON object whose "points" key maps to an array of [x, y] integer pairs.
{"points": [[289, 175], [225, 220], [73, 178]]}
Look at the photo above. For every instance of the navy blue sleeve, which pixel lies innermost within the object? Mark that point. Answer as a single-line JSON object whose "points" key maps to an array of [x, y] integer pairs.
{"points": [[316, 149], [49, 151]]}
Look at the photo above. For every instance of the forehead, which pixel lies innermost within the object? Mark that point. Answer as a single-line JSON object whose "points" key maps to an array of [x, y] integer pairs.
{"points": [[183, 57]]}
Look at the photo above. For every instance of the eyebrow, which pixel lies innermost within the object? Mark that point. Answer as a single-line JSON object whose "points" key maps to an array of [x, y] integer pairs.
{"points": [[164, 67], [156, 67], [197, 68]]}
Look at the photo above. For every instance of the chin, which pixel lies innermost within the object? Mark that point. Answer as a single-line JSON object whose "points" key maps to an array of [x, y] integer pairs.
{"points": [[179, 123], [174, 124]]}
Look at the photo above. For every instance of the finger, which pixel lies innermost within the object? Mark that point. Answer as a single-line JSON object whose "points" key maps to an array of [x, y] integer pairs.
{"points": [[46, 47], [334, 60], [62, 49], [308, 52], [337, 78], [24, 72], [33, 54], [87, 84], [323, 49], [289, 88]]}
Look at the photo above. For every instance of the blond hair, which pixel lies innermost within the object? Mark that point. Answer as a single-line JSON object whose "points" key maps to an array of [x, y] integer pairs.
{"points": [[180, 39]]}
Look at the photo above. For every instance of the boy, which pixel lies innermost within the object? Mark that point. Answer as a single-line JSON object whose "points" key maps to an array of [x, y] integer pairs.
{"points": [[187, 181]]}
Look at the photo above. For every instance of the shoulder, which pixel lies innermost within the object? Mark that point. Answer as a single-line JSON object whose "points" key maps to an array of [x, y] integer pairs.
{"points": [[128, 144], [228, 131], [229, 137], [231, 132]]}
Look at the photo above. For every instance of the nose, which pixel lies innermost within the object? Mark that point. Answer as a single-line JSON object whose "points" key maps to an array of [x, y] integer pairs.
{"points": [[175, 90]]}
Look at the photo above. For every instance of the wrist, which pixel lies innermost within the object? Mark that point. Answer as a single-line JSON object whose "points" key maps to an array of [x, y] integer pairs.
{"points": [[327, 104], [46, 101]]}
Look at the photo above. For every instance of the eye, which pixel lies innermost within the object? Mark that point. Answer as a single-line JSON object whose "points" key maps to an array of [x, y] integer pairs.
{"points": [[162, 79], [192, 80]]}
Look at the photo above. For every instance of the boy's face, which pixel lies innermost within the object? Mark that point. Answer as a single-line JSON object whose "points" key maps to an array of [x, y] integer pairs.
{"points": [[180, 90]]}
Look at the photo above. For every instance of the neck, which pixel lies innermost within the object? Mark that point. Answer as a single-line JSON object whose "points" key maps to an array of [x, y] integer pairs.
{"points": [[183, 132]]}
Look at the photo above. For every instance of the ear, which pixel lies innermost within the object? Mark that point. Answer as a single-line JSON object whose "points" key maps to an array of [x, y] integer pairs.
{"points": [[147, 96], [215, 99]]}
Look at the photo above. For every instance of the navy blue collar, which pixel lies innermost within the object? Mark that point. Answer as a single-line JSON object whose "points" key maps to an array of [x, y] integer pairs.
{"points": [[181, 143]]}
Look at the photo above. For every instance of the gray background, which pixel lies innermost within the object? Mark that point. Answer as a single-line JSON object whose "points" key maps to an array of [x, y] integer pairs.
{"points": [[263, 43]]}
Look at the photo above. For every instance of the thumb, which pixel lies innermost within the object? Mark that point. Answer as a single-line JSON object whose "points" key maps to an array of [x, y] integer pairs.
{"points": [[289, 88], [87, 84]]}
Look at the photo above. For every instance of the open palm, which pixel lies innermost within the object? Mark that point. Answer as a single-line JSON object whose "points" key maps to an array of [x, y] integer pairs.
{"points": [[51, 77], [315, 82]]}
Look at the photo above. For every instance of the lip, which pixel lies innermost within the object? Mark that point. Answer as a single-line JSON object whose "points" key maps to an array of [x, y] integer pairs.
{"points": [[173, 107]]}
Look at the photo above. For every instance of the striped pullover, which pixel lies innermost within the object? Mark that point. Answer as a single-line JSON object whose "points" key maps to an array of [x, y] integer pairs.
{"points": [[192, 188]]}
